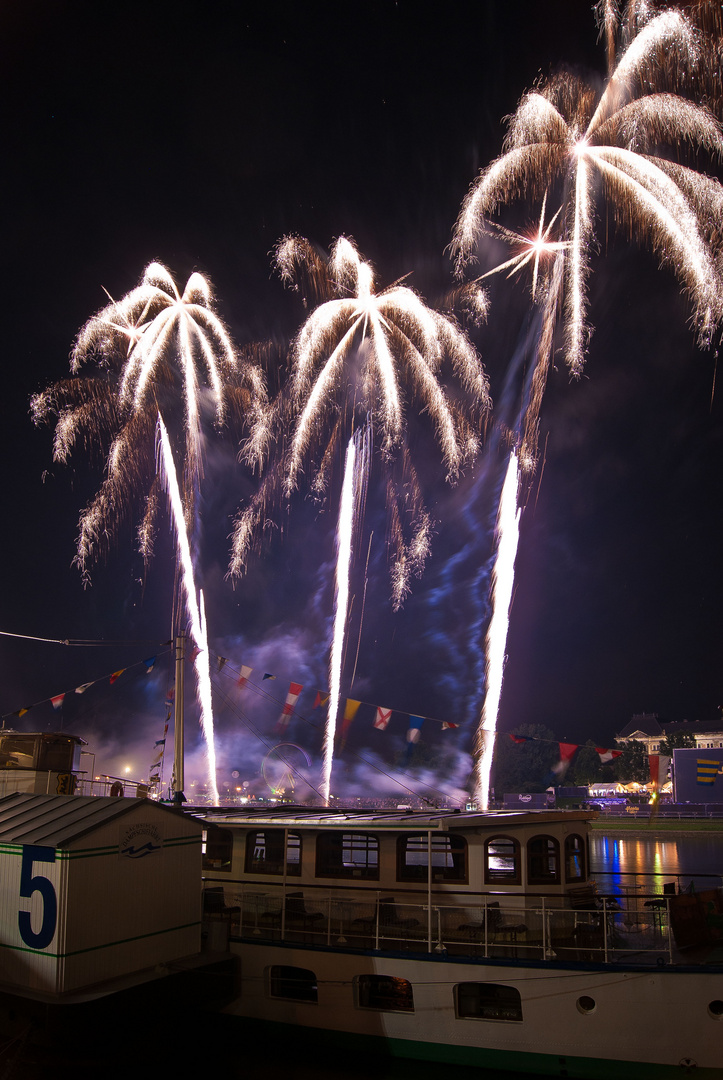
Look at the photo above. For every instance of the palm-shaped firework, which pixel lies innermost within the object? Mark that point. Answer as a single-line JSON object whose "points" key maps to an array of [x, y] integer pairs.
{"points": [[360, 362], [571, 141], [146, 351], [148, 348], [364, 356]]}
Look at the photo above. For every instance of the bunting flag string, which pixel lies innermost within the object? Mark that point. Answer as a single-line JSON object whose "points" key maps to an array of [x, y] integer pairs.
{"points": [[57, 700], [381, 717]]}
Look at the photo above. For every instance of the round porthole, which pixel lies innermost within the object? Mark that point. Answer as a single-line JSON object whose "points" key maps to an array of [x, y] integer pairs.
{"points": [[715, 1009], [586, 1005]]}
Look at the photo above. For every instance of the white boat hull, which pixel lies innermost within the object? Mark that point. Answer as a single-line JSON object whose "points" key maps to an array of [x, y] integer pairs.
{"points": [[644, 1023]]}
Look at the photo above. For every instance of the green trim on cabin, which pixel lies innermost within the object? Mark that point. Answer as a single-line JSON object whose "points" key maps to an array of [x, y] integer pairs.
{"points": [[105, 945], [479, 1057], [65, 855]]}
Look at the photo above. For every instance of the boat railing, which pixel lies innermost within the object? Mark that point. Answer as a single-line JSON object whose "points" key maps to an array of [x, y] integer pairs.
{"points": [[633, 927]]}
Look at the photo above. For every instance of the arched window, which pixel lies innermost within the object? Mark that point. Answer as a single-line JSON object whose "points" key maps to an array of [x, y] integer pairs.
{"points": [[543, 861], [265, 852], [217, 849], [487, 1001], [384, 992], [575, 869], [448, 857], [347, 855], [502, 861]]}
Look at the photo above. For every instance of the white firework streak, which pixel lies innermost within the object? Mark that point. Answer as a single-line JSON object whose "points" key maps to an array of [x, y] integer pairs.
{"points": [[194, 606], [503, 577], [565, 134], [345, 530]]}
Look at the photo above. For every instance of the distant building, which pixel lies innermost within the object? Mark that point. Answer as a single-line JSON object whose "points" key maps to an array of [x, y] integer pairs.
{"points": [[649, 730]]}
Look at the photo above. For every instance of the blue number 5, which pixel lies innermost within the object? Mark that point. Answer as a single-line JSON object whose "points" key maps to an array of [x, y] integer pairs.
{"points": [[29, 885]]}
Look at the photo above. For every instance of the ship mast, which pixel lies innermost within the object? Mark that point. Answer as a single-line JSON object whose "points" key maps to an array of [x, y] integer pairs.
{"points": [[178, 796]]}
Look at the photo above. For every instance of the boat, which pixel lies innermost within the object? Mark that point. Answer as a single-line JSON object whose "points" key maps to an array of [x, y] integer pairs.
{"points": [[463, 938]]}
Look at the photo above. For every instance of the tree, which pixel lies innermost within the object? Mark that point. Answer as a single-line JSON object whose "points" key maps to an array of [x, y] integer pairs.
{"points": [[677, 740], [633, 764], [524, 766]]}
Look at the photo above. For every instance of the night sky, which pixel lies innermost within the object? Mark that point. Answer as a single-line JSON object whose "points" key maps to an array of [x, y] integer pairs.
{"points": [[199, 135]]}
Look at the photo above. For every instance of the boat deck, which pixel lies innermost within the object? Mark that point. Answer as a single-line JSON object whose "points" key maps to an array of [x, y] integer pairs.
{"points": [[639, 930]]}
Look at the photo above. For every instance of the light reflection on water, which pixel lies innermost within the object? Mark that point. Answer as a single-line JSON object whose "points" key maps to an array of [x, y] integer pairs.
{"points": [[620, 860]]}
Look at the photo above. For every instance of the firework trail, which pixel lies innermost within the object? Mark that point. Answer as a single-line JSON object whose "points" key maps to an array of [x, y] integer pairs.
{"points": [[194, 604], [348, 364], [151, 349], [345, 531], [570, 141], [503, 577]]}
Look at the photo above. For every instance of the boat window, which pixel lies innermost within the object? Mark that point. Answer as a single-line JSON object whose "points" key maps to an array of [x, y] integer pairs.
{"points": [[543, 861], [449, 858], [502, 860], [384, 992], [293, 983], [265, 852], [347, 855], [217, 849], [487, 1001], [574, 858]]}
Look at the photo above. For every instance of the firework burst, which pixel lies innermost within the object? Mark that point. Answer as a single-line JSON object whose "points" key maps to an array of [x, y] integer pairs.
{"points": [[149, 350], [364, 355], [568, 139]]}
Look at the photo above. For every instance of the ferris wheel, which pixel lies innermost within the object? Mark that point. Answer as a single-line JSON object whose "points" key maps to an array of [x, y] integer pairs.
{"points": [[281, 766]]}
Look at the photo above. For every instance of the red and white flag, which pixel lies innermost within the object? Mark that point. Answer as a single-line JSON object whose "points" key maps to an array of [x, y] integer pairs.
{"points": [[381, 720], [291, 698], [244, 676], [57, 702], [607, 755], [446, 725]]}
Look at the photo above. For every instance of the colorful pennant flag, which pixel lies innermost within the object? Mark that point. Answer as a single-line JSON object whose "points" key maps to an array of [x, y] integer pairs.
{"points": [[658, 764], [267, 676], [350, 710], [291, 698], [567, 753], [607, 755], [150, 664], [244, 676], [446, 725], [521, 738], [413, 731], [116, 675], [707, 771], [381, 720], [57, 702], [21, 712], [83, 687], [169, 697], [222, 661], [320, 699]]}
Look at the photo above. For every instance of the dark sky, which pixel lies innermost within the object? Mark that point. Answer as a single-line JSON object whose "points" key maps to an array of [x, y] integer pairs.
{"points": [[199, 135]]}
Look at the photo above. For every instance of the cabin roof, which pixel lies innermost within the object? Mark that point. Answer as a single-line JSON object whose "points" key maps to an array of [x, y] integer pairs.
{"points": [[57, 820], [393, 820]]}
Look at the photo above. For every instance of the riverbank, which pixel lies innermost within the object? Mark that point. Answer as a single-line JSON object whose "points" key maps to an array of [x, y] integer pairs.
{"points": [[656, 825]]}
